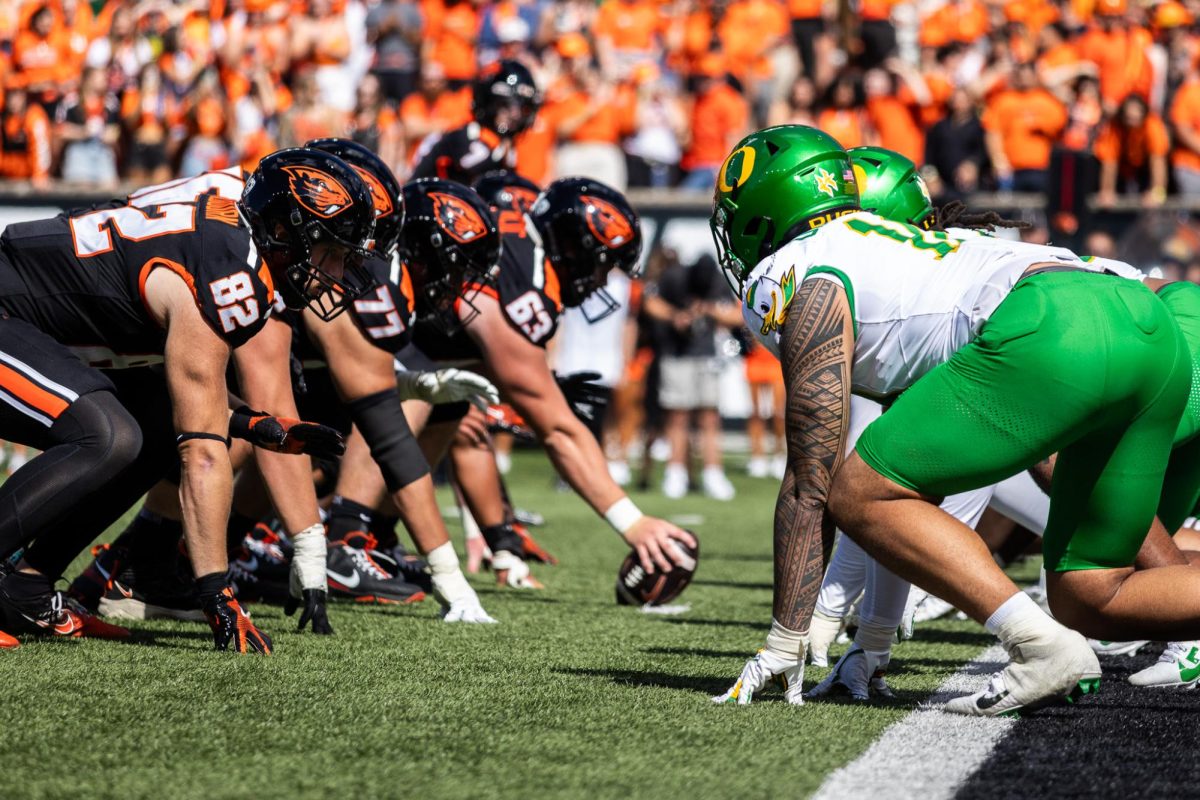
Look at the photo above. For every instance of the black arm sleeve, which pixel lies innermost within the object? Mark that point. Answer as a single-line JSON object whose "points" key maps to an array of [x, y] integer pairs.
{"points": [[392, 443]]}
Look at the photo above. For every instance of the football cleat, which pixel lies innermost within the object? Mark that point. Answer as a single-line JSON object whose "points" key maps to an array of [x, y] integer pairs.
{"points": [[353, 572], [257, 579], [859, 673], [530, 519], [8, 642], [1177, 667], [94, 582], [1044, 670], [399, 563], [51, 614], [1104, 648], [163, 593]]}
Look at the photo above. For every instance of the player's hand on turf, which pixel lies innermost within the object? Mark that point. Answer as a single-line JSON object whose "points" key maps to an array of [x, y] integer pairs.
{"points": [[651, 537], [285, 435], [762, 670], [231, 626], [448, 386], [467, 609], [512, 571], [307, 581]]}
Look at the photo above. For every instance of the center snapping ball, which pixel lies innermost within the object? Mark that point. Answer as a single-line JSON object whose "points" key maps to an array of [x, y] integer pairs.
{"points": [[636, 587]]}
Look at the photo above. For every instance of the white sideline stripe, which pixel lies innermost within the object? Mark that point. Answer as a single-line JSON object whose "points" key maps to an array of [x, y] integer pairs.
{"points": [[929, 753]]}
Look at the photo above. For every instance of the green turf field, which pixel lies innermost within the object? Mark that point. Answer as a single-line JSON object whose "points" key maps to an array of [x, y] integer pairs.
{"points": [[570, 696]]}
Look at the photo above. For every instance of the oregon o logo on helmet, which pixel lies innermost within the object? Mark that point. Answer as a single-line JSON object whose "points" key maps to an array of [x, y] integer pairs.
{"points": [[379, 195], [742, 160], [318, 191], [457, 218], [605, 222]]}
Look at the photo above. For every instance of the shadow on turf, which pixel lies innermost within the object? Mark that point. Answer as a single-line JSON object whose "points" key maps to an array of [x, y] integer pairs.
{"points": [[722, 623], [734, 584], [663, 680], [688, 651]]}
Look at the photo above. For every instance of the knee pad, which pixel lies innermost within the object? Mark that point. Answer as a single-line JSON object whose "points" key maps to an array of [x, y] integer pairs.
{"points": [[395, 450]]}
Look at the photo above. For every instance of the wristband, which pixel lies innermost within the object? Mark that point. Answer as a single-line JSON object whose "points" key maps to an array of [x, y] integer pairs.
{"points": [[623, 515], [785, 643]]}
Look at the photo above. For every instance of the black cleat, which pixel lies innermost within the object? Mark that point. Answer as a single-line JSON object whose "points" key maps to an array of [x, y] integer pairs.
{"points": [[353, 572], [162, 592]]}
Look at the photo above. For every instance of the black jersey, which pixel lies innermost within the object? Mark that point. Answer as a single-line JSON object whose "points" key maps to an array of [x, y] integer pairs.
{"points": [[80, 276], [527, 290], [384, 316], [463, 154]]}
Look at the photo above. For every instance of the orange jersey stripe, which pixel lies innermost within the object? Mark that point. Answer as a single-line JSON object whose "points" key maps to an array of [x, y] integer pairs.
{"points": [[30, 393]]}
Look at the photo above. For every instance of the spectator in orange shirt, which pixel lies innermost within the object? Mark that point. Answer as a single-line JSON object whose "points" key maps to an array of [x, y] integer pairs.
{"points": [[1132, 150], [894, 100], [308, 118], [590, 115], [1022, 124], [42, 53], [844, 117], [25, 146], [433, 108], [1121, 51], [720, 117], [451, 30], [1185, 120], [627, 33]]}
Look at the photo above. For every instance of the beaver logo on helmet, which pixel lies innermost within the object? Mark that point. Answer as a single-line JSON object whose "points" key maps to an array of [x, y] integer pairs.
{"points": [[607, 223], [520, 198], [379, 195], [318, 191], [458, 219]]}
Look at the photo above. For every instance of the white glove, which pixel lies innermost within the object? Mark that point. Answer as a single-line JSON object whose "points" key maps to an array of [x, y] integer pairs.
{"points": [[308, 561], [467, 609], [447, 386], [513, 571], [766, 668]]}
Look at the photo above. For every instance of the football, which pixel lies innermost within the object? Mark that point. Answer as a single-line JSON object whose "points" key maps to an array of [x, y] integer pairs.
{"points": [[636, 587]]}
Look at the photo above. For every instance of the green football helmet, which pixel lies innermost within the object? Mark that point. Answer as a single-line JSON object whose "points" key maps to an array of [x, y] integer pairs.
{"points": [[888, 185], [775, 185]]}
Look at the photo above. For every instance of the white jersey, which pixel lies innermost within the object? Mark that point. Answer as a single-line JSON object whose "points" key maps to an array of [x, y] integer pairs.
{"points": [[222, 182], [916, 296]]}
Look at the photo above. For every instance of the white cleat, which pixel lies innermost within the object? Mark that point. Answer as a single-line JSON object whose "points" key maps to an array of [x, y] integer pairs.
{"points": [[716, 485], [930, 608], [758, 467], [859, 672], [1104, 648], [675, 481], [1177, 667], [1043, 670]]}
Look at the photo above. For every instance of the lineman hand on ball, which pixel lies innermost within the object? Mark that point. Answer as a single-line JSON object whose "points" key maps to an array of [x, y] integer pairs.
{"points": [[447, 386], [651, 536], [763, 669]]}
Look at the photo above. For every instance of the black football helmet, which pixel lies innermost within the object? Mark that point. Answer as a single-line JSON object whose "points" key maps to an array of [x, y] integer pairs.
{"points": [[296, 199], [587, 229], [505, 98], [385, 189], [452, 248], [505, 190]]}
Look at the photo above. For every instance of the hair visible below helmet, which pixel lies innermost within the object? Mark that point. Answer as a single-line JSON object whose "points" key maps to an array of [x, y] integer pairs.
{"points": [[296, 199], [776, 184], [505, 190], [451, 246], [505, 85], [385, 189], [888, 185], [587, 229]]}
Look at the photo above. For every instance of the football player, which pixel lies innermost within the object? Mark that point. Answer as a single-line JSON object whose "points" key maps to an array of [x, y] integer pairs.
{"points": [[559, 254], [183, 283], [504, 102], [1004, 355]]}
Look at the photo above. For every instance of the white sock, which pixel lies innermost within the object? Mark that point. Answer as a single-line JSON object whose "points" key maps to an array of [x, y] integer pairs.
{"points": [[1019, 617]]}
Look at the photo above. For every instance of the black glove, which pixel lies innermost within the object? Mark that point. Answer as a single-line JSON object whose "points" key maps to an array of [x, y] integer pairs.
{"points": [[231, 626], [314, 611], [284, 435], [587, 398]]}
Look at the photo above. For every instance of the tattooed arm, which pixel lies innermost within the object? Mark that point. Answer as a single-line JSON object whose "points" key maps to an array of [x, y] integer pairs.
{"points": [[815, 348]]}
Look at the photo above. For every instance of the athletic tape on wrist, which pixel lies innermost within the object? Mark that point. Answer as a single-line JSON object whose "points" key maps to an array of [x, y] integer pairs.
{"points": [[308, 559], [623, 515], [786, 643]]}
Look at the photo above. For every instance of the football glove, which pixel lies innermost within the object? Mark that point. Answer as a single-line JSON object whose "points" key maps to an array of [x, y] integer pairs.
{"points": [[447, 386], [586, 397], [285, 435], [307, 582], [511, 570], [467, 609], [531, 550], [231, 626], [763, 669]]}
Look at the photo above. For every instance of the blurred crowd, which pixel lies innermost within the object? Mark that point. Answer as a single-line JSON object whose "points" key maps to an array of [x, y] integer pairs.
{"points": [[986, 94]]}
